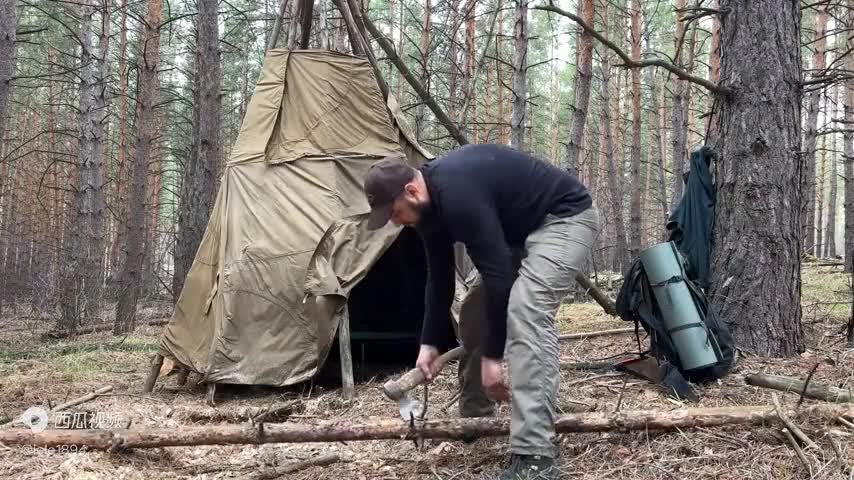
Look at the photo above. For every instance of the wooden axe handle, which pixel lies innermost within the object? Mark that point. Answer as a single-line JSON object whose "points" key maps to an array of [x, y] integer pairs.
{"points": [[395, 389]]}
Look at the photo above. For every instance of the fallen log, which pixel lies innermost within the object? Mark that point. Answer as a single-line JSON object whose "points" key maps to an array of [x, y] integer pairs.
{"points": [[598, 333], [813, 390], [390, 429]]}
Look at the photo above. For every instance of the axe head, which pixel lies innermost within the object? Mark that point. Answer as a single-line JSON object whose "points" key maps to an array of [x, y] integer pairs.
{"points": [[410, 408]]}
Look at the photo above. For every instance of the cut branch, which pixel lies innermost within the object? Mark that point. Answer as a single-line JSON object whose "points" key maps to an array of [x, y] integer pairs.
{"points": [[596, 294], [395, 429], [600, 333], [813, 390], [628, 62]]}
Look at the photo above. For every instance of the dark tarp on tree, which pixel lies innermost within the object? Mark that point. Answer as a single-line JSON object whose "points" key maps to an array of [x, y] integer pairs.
{"points": [[691, 223]]}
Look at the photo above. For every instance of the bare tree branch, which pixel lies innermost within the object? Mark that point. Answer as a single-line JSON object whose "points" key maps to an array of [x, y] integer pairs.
{"points": [[628, 62]]}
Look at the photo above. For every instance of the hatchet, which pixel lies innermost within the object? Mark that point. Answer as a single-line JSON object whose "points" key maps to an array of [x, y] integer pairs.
{"points": [[397, 390]]}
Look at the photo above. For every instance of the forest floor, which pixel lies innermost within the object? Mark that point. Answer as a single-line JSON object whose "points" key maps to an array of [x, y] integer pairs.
{"points": [[33, 372]]}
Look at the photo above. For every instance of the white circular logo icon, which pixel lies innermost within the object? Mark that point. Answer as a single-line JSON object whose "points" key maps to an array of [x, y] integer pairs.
{"points": [[35, 418]]}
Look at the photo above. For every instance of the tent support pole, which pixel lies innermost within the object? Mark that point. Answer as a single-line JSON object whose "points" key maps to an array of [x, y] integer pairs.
{"points": [[277, 25], [156, 363], [346, 354], [211, 393]]}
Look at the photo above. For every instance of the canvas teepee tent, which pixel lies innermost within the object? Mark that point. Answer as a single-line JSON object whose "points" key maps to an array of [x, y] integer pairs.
{"points": [[286, 243]]}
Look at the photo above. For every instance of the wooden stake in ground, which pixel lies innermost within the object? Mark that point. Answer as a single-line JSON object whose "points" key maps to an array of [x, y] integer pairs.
{"points": [[346, 355], [156, 363], [464, 428]]}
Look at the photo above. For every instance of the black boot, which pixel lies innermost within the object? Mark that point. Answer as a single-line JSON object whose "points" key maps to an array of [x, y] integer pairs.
{"points": [[530, 467]]}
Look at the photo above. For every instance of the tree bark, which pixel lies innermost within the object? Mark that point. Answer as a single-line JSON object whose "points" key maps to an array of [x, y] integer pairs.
{"points": [[830, 231], [80, 286], [470, 66], [756, 253], [518, 116], [809, 158], [8, 27], [394, 429], [715, 51], [423, 74], [621, 260], [819, 198], [198, 190], [147, 98], [635, 217], [122, 166], [662, 160], [454, 69], [848, 153], [581, 105], [679, 117]]}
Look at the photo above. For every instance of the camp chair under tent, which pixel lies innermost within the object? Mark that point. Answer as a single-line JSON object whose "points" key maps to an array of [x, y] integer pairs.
{"points": [[286, 245]]}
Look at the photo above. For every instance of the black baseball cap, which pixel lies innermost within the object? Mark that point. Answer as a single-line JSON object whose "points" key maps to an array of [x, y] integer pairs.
{"points": [[383, 183]]}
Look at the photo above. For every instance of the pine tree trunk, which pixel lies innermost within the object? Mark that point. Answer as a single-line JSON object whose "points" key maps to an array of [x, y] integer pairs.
{"points": [[499, 82], [819, 200], [635, 217], [469, 67], [662, 148], [147, 97], [520, 76], [680, 118], [756, 254], [808, 187], [848, 154], [8, 27], [80, 280], [122, 168], [582, 89], [401, 49], [454, 69], [715, 51], [614, 189], [423, 77], [830, 231], [200, 175]]}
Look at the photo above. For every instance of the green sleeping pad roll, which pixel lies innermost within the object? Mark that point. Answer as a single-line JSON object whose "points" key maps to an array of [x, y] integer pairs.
{"points": [[681, 318]]}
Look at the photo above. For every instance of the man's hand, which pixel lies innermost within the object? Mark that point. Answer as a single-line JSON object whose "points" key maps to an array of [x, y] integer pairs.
{"points": [[492, 378], [426, 356]]}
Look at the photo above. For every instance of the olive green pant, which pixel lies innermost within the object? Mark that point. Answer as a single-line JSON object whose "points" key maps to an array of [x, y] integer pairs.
{"points": [[552, 256]]}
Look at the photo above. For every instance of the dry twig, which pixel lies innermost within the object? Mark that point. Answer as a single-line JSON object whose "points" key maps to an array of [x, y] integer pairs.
{"points": [[798, 450], [790, 425], [277, 472]]}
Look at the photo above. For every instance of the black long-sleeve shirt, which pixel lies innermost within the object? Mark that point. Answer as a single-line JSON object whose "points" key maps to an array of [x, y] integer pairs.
{"points": [[489, 198]]}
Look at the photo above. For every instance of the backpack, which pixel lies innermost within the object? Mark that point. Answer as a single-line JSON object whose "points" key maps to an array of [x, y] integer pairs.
{"points": [[636, 303]]}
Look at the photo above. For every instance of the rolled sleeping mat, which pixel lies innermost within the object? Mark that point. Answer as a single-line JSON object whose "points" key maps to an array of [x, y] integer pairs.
{"points": [[681, 318]]}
